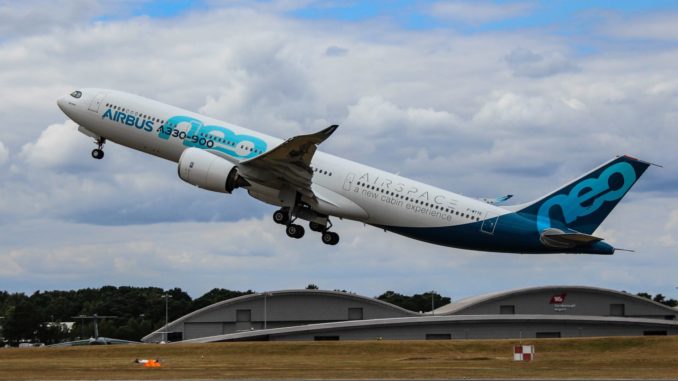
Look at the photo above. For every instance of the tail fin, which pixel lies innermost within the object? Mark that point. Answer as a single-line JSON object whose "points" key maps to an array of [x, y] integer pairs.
{"points": [[584, 203]]}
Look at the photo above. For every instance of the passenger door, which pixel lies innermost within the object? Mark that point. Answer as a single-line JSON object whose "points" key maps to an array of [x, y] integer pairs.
{"points": [[489, 224], [96, 102]]}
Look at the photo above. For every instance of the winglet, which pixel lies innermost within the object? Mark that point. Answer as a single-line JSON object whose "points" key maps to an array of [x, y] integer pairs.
{"points": [[317, 137], [326, 133]]}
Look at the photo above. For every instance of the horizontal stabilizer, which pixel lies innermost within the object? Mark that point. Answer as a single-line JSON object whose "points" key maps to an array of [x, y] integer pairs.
{"points": [[497, 200], [558, 239]]}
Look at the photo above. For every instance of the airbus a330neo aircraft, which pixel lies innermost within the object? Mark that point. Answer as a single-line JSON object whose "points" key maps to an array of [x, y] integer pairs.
{"points": [[314, 186]]}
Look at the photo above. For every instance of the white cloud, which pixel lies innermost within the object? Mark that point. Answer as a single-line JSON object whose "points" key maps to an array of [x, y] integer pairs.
{"points": [[4, 154], [30, 18], [670, 236], [478, 12], [375, 116], [526, 63], [654, 26], [59, 145]]}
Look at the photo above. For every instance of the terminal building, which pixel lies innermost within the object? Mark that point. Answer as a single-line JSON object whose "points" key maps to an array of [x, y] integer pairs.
{"points": [[539, 312]]}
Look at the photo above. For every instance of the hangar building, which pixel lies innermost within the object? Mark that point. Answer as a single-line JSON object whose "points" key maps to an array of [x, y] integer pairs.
{"points": [[539, 312]]}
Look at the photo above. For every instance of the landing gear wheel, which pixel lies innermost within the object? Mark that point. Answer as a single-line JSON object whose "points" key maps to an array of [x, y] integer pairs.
{"points": [[294, 231], [98, 153], [316, 227], [281, 217], [330, 238]]}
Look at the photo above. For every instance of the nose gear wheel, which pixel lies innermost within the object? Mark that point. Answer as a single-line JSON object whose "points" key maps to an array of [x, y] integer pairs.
{"points": [[98, 153]]}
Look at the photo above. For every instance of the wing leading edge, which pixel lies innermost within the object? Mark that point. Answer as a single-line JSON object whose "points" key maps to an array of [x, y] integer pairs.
{"points": [[287, 165]]}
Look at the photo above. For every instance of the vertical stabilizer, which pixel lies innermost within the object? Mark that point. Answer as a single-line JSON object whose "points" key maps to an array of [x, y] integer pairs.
{"points": [[584, 203]]}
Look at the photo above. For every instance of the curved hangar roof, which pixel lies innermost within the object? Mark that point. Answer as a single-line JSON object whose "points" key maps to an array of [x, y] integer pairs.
{"points": [[276, 309], [553, 311], [560, 300]]}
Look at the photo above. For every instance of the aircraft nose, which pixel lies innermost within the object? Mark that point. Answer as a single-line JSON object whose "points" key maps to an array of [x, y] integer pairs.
{"points": [[61, 102]]}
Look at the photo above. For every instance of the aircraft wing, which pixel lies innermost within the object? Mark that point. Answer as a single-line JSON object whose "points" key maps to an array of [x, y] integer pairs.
{"points": [[559, 239], [287, 165]]}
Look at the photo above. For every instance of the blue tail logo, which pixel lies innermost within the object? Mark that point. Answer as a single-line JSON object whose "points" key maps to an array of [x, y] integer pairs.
{"points": [[583, 204]]}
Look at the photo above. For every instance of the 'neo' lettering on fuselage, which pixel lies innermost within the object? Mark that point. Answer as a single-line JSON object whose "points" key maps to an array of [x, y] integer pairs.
{"points": [[226, 141]]}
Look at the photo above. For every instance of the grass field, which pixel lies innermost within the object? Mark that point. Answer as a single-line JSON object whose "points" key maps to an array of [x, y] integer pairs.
{"points": [[636, 357]]}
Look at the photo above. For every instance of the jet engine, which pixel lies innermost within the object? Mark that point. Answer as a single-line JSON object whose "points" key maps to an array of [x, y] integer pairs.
{"points": [[209, 171]]}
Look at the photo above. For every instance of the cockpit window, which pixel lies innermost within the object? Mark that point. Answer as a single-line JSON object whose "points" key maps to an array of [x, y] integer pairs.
{"points": [[76, 94]]}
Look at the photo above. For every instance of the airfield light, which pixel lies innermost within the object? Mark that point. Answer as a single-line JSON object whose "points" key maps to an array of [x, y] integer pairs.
{"points": [[433, 303], [266, 294], [166, 296]]}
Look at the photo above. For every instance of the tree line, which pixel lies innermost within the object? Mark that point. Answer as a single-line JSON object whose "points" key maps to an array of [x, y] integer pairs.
{"points": [[138, 311]]}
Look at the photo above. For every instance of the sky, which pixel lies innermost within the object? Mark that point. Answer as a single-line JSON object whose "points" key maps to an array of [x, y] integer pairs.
{"points": [[483, 98]]}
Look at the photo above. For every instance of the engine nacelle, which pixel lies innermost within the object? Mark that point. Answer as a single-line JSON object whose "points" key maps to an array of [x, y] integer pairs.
{"points": [[209, 171]]}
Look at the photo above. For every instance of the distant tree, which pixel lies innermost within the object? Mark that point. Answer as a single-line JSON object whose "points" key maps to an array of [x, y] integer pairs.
{"points": [[217, 295], [659, 298], [51, 333], [311, 286], [645, 295], [417, 302], [21, 322]]}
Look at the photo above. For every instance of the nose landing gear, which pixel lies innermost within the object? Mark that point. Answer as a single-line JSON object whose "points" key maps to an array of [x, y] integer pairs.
{"points": [[98, 153]]}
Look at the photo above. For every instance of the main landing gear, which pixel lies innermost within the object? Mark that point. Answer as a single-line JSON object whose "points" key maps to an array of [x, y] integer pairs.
{"points": [[98, 153], [283, 217], [330, 238]]}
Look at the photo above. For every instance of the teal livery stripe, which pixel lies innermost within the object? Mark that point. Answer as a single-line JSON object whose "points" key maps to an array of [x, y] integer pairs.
{"points": [[509, 233]]}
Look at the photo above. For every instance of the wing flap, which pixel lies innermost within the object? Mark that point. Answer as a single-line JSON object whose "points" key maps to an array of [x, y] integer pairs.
{"points": [[558, 239]]}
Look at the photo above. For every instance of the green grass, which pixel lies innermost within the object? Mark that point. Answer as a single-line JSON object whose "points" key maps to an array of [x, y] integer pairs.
{"points": [[629, 358]]}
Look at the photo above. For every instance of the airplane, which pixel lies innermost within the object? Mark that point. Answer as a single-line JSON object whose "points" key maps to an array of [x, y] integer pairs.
{"points": [[96, 339], [310, 185]]}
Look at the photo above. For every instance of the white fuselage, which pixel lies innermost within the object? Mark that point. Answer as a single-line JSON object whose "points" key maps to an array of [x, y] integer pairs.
{"points": [[386, 199]]}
